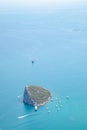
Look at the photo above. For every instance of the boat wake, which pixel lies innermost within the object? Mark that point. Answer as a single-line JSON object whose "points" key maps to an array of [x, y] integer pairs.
{"points": [[24, 116]]}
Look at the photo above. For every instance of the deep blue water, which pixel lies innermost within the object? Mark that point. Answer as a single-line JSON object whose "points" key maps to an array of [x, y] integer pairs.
{"points": [[57, 41]]}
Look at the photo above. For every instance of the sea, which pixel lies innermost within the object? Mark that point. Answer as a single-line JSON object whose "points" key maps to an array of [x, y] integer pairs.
{"points": [[56, 40]]}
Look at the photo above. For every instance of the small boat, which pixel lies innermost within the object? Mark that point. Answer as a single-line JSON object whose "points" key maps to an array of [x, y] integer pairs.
{"points": [[51, 100], [58, 109], [67, 97], [35, 107], [56, 106], [47, 108], [49, 111], [32, 61]]}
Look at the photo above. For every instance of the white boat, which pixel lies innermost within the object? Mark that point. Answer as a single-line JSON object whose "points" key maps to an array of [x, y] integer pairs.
{"points": [[35, 108]]}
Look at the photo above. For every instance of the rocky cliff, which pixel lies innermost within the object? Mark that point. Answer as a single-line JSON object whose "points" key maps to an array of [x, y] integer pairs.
{"points": [[27, 97], [35, 95]]}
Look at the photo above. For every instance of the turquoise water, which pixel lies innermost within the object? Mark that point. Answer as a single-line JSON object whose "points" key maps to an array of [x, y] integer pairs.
{"points": [[57, 41]]}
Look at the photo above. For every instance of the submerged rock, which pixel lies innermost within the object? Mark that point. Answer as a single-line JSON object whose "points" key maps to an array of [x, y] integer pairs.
{"points": [[35, 95]]}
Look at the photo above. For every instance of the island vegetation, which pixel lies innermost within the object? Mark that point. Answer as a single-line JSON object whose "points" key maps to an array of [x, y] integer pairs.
{"points": [[36, 95]]}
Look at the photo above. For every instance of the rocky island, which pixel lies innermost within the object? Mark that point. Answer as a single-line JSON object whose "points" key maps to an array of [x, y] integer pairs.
{"points": [[36, 96]]}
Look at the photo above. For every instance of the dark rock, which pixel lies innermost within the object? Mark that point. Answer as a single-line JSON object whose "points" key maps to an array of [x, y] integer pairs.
{"points": [[36, 96], [27, 97]]}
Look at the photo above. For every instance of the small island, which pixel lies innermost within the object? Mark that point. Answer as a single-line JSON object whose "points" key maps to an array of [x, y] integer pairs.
{"points": [[36, 95]]}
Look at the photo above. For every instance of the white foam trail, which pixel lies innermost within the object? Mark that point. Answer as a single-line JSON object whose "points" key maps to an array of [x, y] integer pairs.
{"points": [[21, 117]]}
